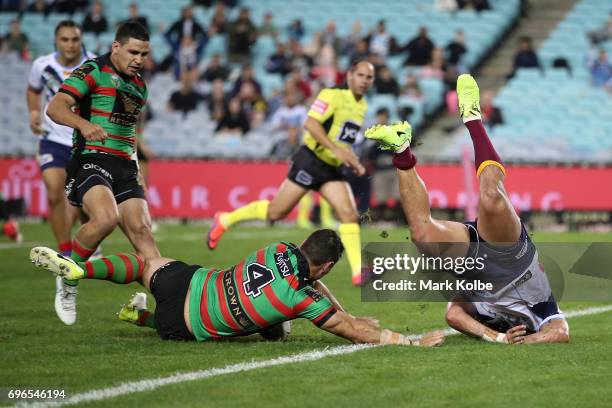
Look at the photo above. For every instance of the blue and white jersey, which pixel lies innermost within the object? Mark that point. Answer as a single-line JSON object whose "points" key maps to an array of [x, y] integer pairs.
{"points": [[46, 76]]}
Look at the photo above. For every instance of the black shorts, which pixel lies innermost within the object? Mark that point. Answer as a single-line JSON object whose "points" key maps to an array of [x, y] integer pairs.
{"points": [[310, 172], [169, 286], [90, 170]]}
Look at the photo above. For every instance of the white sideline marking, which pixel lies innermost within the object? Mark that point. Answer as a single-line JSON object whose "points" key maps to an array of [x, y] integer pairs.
{"points": [[151, 384]]}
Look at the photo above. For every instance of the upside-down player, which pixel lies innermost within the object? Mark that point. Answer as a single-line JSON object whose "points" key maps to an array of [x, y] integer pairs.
{"points": [[275, 284], [332, 125], [521, 307]]}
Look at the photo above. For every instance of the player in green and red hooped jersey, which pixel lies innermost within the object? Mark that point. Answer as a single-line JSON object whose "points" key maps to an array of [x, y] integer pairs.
{"points": [[101, 101], [272, 285]]}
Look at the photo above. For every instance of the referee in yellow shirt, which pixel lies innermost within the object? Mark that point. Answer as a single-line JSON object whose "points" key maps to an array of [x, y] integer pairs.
{"points": [[333, 122]]}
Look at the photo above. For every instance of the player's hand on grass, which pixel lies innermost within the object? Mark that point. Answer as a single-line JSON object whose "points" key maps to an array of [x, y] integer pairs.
{"points": [[431, 339], [349, 158], [36, 123], [92, 132], [516, 335]]}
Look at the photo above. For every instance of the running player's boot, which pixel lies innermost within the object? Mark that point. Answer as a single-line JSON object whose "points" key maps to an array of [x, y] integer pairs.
{"points": [[215, 232], [56, 263], [395, 137], [65, 301], [129, 312], [469, 98]]}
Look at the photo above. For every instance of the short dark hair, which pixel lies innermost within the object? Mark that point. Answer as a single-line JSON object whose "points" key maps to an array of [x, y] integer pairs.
{"points": [[129, 30], [65, 23], [322, 246]]}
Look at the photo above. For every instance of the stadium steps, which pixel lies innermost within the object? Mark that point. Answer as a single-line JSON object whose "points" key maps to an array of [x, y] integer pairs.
{"points": [[539, 21]]}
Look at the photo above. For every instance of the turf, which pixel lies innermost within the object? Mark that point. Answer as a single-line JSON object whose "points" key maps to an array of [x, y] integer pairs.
{"points": [[37, 351]]}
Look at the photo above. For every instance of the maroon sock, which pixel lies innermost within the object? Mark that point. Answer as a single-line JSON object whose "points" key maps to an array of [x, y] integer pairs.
{"points": [[404, 160], [483, 149]]}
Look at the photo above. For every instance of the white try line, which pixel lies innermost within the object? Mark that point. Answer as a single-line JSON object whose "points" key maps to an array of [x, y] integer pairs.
{"points": [[151, 384]]}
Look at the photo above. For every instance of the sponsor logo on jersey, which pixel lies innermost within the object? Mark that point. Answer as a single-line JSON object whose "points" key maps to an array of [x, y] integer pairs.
{"points": [[284, 264], [526, 276], [45, 158], [231, 294], [82, 71], [319, 106], [316, 296]]}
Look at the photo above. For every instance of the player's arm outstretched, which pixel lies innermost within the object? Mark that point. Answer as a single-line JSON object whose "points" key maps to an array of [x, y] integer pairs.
{"points": [[460, 319], [364, 330]]}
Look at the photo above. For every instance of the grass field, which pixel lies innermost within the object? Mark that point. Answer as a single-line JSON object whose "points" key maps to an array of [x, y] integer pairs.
{"points": [[38, 352]]}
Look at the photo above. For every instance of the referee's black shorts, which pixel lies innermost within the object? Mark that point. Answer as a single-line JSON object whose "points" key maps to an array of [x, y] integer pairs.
{"points": [[310, 172], [169, 286]]}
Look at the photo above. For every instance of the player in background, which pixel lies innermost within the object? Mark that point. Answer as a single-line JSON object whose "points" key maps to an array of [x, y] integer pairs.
{"points": [[277, 283], [521, 307], [333, 122], [46, 76], [10, 227], [101, 101]]}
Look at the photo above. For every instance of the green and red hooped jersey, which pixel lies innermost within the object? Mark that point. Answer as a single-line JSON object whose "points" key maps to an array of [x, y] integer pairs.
{"points": [[268, 287], [109, 99]]}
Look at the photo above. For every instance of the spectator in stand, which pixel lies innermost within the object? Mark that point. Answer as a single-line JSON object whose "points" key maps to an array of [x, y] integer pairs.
{"points": [[297, 80], [11, 5], [186, 99], [380, 40], [215, 70], [491, 114], [16, 41], [326, 70], [436, 67], [69, 6], [361, 51], [135, 16], [217, 100], [279, 62], [313, 48], [456, 49], [186, 26], [602, 34], [385, 82], [478, 5], [95, 21], [234, 121], [247, 75], [419, 49], [268, 27], [299, 59], [253, 104], [296, 30], [411, 87], [600, 67], [187, 39], [330, 37], [525, 56], [242, 36], [349, 43], [290, 118], [218, 22], [446, 5], [41, 6]]}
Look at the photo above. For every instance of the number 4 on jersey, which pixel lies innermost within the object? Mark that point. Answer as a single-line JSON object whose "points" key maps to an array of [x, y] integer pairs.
{"points": [[258, 276]]}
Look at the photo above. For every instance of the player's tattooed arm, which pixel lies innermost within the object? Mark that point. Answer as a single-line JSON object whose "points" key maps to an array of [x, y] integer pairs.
{"points": [[361, 330], [320, 286], [60, 111]]}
